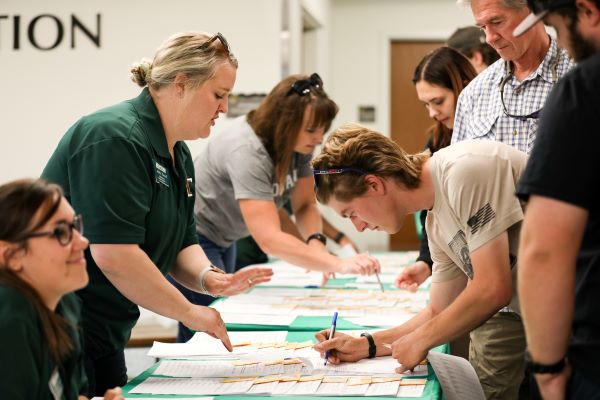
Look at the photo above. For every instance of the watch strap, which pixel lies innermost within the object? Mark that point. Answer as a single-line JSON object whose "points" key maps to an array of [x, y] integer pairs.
{"points": [[338, 238], [318, 236], [539, 368], [372, 347]]}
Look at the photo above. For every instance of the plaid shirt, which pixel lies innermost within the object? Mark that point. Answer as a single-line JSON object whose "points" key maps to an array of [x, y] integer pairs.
{"points": [[479, 113]]}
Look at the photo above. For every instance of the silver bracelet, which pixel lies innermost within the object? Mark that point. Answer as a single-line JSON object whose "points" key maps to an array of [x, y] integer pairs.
{"points": [[201, 276]]}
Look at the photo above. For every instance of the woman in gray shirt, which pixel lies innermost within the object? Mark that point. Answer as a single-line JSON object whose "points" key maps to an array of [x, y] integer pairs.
{"points": [[251, 169]]}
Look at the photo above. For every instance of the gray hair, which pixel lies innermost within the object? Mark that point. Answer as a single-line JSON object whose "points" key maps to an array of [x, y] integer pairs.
{"points": [[515, 4], [182, 53]]}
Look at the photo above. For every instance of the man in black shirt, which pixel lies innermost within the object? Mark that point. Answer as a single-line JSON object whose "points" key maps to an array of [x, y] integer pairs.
{"points": [[559, 267]]}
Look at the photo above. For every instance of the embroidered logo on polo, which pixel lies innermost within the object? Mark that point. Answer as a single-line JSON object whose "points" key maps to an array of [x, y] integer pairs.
{"points": [[481, 217], [459, 247]]}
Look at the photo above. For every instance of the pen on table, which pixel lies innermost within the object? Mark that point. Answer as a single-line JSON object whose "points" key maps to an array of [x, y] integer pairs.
{"points": [[378, 279], [331, 333]]}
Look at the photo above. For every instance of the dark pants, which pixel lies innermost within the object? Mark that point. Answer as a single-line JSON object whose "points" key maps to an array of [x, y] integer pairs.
{"points": [[222, 257], [105, 372]]}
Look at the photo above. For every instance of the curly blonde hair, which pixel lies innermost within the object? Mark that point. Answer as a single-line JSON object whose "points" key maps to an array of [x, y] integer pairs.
{"points": [[367, 152]]}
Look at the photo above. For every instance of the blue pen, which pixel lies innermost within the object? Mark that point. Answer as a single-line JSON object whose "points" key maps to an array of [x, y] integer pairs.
{"points": [[331, 333]]}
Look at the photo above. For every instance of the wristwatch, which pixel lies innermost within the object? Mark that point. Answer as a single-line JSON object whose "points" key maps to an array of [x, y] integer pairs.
{"points": [[372, 347], [538, 368], [319, 236]]}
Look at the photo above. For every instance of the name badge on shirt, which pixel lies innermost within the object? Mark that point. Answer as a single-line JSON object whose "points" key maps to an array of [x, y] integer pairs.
{"points": [[55, 384], [161, 174], [189, 187]]}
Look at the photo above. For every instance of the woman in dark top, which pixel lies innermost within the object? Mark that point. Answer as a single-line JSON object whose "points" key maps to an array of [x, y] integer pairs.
{"points": [[41, 264], [439, 78]]}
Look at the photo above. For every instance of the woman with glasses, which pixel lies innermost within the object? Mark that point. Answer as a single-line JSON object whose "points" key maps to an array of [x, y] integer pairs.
{"points": [[247, 173], [439, 78], [41, 264], [128, 170]]}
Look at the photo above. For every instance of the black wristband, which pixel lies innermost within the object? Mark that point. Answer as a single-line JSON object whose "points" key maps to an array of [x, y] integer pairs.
{"points": [[372, 347], [538, 368], [319, 236], [338, 238]]}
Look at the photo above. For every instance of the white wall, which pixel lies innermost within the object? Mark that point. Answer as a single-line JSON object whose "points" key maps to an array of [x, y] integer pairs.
{"points": [[43, 92]]}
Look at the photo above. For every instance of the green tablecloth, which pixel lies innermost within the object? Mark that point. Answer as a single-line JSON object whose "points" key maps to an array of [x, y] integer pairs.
{"points": [[300, 324], [432, 389]]}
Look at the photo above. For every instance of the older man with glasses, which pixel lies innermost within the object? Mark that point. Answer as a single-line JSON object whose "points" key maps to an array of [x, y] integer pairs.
{"points": [[503, 103]]}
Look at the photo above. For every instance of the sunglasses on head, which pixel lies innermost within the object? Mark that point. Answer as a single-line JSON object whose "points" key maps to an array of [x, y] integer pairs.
{"points": [[334, 171], [216, 36], [63, 232], [302, 86]]}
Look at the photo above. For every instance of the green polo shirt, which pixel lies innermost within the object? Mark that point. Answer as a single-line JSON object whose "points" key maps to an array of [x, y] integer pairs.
{"points": [[28, 371], [115, 168]]}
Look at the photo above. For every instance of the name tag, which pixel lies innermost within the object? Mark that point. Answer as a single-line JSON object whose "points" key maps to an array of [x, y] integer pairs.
{"points": [[189, 187], [55, 384], [161, 174]]}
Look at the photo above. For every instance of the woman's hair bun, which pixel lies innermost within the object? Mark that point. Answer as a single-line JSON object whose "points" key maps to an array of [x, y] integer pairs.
{"points": [[140, 72]]}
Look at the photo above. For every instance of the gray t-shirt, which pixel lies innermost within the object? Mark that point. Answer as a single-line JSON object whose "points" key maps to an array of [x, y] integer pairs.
{"points": [[474, 182], [235, 166]]}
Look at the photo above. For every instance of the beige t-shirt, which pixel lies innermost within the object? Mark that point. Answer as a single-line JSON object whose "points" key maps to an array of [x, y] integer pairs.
{"points": [[474, 183]]}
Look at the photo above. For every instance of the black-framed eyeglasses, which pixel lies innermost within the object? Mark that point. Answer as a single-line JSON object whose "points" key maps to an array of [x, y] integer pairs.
{"points": [[335, 171], [302, 86], [216, 36], [523, 118], [509, 75], [63, 232]]}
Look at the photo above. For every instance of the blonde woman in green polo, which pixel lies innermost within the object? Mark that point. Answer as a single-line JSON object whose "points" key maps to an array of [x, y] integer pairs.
{"points": [[129, 171]]}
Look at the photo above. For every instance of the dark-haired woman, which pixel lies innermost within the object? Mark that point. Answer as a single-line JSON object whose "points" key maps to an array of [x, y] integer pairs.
{"points": [[439, 78], [249, 172], [41, 264]]}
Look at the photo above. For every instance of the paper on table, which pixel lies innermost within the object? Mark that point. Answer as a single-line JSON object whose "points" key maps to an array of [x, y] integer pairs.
{"points": [[204, 345], [411, 391], [378, 365], [304, 388], [383, 389], [283, 387], [385, 278], [457, 377], [241, 337], [263, 388], [190, 386], [380, 320], [160, 350], [251, 319], [253, 308], [220, 368]]}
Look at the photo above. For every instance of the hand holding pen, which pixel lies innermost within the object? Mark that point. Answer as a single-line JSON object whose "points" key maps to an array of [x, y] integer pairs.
{"points": [[331, 333]]}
